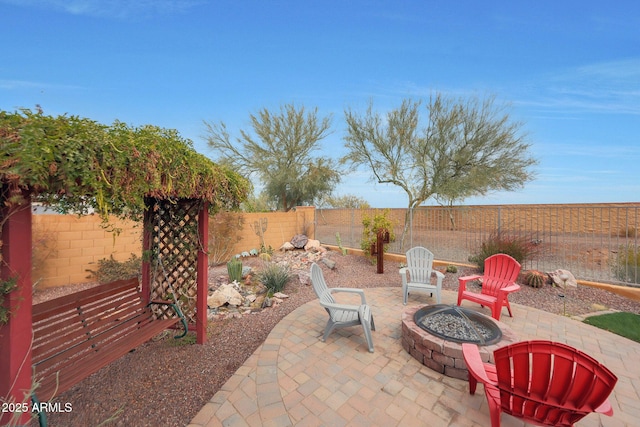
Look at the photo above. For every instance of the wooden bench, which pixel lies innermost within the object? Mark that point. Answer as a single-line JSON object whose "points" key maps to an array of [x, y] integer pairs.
{"points": [[78, 334]]}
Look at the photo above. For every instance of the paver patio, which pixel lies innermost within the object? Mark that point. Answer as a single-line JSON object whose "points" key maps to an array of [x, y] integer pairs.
{"points": [[296, 379]]}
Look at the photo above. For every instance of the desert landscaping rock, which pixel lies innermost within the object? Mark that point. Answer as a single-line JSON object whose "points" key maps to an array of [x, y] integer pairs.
{"points": [[299, 241]]}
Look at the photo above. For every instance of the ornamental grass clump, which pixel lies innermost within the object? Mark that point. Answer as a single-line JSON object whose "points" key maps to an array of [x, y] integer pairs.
{"points": [[520, 248], [274, 277], [626, 265]]}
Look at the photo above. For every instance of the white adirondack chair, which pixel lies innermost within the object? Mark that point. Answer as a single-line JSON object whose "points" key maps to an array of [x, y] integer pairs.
{"points": [[342, 315], [419, 269]]}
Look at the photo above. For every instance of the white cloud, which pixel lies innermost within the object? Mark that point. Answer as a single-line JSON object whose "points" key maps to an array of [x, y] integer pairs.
{"points": [[607, 87], [119, 9], [7, 84]]}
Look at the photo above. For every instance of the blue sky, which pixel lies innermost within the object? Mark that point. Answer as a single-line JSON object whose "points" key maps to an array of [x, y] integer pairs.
{"points": [[570, 69]]}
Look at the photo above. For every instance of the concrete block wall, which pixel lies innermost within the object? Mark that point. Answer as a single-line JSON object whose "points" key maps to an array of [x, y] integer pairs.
{"points": [[66, 246]]}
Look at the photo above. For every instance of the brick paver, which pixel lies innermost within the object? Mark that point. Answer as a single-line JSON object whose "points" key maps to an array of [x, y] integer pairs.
{"points": [[296, 379]]}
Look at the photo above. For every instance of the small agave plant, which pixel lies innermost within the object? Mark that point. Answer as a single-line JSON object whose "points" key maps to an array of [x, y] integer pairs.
{"points": [[534, 278]]}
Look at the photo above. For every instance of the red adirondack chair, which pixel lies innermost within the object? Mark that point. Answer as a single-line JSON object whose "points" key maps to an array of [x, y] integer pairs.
{"points": [[498, 281], [545, 383]]}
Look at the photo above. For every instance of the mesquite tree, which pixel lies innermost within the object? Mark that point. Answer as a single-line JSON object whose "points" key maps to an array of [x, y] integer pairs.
{"points": [[280, 152], [465, 148]]}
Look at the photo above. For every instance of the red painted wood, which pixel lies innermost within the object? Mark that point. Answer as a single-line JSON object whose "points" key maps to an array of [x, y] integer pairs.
{"points": [[146, 246], [542, 382], [78, 334], [15, 336], [203, 275]]}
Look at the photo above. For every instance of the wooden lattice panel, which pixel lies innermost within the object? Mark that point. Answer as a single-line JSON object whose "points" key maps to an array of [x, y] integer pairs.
{"points": [[175, 244]]}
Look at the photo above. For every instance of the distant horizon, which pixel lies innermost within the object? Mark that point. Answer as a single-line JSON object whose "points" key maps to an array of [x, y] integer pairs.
{"points": [[569, 70]]}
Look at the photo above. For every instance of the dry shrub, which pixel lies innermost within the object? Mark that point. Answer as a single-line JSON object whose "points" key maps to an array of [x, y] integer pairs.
{"points": [[520, 247], [224, 233]]}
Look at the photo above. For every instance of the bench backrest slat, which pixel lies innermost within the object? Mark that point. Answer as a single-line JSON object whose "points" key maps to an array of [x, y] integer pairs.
{"points": [[47, 309], [77, 334]]}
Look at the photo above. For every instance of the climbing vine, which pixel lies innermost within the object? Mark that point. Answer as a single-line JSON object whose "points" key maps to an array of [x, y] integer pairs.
{"points": [[6, 286], [78, 165]]}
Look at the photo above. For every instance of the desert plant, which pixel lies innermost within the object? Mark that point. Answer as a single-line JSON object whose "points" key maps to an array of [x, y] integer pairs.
{"points": [[626, 266], [274, 276], [628, 232], [372, 226], [265, 256], [266, 249], [259, 227], [452, 269], [534, 278], [520, 248], [343, 250], [234, 268], [224, 233], [110, 270]]}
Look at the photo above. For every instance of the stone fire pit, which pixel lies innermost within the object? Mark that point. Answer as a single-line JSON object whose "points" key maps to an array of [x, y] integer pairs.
{"points": [[441, 354]]}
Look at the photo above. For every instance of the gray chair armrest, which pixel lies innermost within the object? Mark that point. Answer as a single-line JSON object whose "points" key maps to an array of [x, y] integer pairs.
{"points": [[349, 290]]}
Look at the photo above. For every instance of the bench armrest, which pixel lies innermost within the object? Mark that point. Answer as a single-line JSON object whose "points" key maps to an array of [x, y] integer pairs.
{"points": [[176, 308]]}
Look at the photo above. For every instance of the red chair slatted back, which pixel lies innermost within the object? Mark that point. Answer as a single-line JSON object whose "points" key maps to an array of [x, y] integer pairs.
{"points": [[500, 270], [550, 383]]}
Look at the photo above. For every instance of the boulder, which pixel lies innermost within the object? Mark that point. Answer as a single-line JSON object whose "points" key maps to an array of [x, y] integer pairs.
{"points": [[225, 294], [329, 263], [312, 245], [563, 278], [287, 246], [299, 241], [304, 277]]}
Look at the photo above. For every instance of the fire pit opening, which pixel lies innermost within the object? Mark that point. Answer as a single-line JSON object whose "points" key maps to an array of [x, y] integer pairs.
{"points": [[457, 324]]}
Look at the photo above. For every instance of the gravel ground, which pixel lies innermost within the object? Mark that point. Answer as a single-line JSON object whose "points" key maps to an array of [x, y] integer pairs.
{"points": [[163, 383]]}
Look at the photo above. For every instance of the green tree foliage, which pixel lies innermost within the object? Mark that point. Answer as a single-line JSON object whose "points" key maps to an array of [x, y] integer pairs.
{"points": [[348, 201], [370, 228], [78, 165], [279, 150], [465, 148]]}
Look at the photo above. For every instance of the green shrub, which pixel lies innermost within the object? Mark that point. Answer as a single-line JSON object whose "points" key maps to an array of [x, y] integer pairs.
{"points": [[110, 270], [380, 221], [626, 265], [452, 269], [274, 277], [234, 268], [520, 248]]}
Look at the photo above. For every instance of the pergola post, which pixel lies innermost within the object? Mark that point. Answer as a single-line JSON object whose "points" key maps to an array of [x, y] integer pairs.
{"points": [[203, 274], [146, 246], [16, 335]]}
